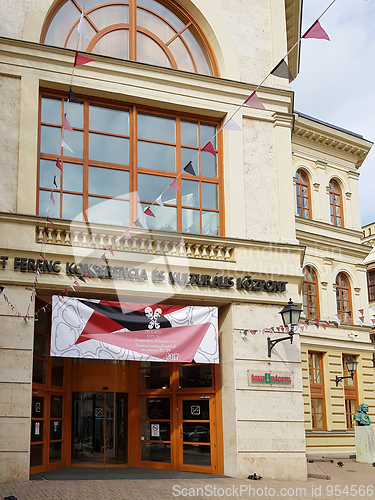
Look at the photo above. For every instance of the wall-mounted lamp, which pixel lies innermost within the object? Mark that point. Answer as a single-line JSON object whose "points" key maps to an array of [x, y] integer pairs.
{"points": [[351, 366], [290, 316]]}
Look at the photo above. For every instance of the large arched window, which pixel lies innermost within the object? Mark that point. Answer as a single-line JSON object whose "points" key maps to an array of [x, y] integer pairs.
{"points": [[149, 31], [303, 195], [335, 201], [310, 293], [343, 297]]}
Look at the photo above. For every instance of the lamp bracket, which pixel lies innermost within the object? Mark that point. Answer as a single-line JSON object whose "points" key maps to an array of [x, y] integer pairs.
{"points": [[271, 343], [338, 379]]}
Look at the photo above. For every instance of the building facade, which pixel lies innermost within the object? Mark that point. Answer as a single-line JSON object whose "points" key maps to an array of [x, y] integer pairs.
{"points": [[166, 76]]}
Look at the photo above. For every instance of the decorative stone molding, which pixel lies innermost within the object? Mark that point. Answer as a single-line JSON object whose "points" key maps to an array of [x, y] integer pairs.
{"points": [[324, 285], [321, 164], [316, 186], [348, 195], [357, 290]]}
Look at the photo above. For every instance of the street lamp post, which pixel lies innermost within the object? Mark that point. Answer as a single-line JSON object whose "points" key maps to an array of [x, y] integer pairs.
{"points": [[351, 365], [290, 316]]}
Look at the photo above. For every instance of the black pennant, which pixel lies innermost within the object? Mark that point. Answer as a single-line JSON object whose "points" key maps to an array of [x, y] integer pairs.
{"points": [[189, 168], [82, 278], [45, 231], [137, 223], [54, 181], [72, 96], [282, 70]]}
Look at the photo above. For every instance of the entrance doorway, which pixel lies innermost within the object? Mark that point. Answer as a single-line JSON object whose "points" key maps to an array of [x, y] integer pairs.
{"points": [[99, 428]]}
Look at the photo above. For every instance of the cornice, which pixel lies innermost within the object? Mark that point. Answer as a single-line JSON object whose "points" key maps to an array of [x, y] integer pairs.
{"points": [[335, 141]]}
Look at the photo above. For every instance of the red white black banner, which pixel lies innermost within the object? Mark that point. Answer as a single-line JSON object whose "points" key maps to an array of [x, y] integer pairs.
{"points": [[100, 329]]}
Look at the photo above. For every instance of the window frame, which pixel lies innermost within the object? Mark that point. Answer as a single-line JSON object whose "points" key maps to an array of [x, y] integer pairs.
{"points": [[132, 168], [299, 184], [316, 389], [306, 282], [339, 289], [332, 204], [371, 286]]}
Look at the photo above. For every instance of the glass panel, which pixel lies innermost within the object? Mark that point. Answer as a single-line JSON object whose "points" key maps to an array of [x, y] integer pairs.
{"points": [[51, 111], [304, 191], [40, 344], [39, 371], [113, 44], [72, 207], [56, 407], [165, 217], [156, 156], [109, 120], [316, 361], [155, 408], [75, 142], [312, 301], [157, 128], [148, 185], [74, 114], [55, 454], [156, 452], [162, 434], [190, 193], [181, 55], [47, 170], [110, 14], [50, 140], [109, 149], [148, 51], [196, 409], [305, 202], [76, 39], [305, 214], [210, 223], [61, 24], [189, 133], [197, 454], [319, 421], [36, 455], [72, 177], [337, 211], [37, 407], [116, 452], [199, 53], [208, 133], [104, 211], [190, 221], [110, 182], [57, 375], [163, 12], [317, 377], [188, 155], [195, 376], [196, 433], [55, 429], [210, 195], [155, 378], [37, 430], [154, 24], [208, 165]]}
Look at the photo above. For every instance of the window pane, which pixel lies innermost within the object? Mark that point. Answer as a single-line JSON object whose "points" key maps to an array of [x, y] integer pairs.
{"points": [[40, 344], [75, 142], [163, 12], [208, 133], [61, 24], [114, 44], [104, 211], [45, 202], [109, 120], [72, 207], [305, 203], [150, 52], [190, 221], [108, 15], [55, 454], [190, 193], [201, 60], [210, 223], [50, 140], [36, 455], [209, 195], [155, 378], [72, 177], [155, 408], [156, 452], [108, 149], [156, 156], [47, 171], [208, 165], [164, 431], [189, 133], [187, 155], [305, 214], [76, 39], [39, 371], [195, 376], [165, 218], [151, 185], [181, 55], [304, 191], [109, 182], [154, 24], [157, 128], [74, 114], [51, 111]]}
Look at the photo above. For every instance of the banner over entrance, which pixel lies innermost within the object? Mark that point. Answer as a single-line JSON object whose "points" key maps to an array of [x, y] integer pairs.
{"points": [[100, 329]]}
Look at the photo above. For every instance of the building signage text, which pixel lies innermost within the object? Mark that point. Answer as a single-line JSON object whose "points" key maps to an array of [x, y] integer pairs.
{"points": [[267, 378]]}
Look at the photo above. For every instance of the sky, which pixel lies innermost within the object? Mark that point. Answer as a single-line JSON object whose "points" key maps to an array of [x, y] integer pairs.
{"points": [[336, 82]]}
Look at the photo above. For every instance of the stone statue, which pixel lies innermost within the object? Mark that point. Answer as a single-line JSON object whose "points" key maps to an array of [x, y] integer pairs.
{"points": [[361, 416]]}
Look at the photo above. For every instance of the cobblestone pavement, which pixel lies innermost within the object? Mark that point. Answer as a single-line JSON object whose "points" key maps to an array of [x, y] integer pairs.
{"points": [[351, 481]]}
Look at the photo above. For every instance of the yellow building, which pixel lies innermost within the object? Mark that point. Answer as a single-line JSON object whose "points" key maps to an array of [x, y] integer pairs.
{"points": [[167, 76]]}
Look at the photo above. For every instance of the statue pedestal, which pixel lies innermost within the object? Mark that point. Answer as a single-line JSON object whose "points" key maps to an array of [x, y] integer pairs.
{"points": [[365, 443]]}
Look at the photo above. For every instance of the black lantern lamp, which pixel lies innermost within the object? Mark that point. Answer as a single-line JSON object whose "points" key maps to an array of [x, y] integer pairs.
{"points": [[351, 366], [290, 316]]}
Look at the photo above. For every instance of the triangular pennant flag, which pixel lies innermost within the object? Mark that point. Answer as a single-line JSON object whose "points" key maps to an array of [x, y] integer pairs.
{"points": [[54, 181], [324, 325], [117, 242], [103, 257], [77, 284], [209, 148], [137, 223], [91, 268], [231, 125], [97, 263], [82, 278], [373, 308], [111, 250], [87, 275], [127, 234], [66, 124], [254, 102], [360, 322], [72, 96], [360, 311], [58, 164], [66, 292], [42, 256], [52, 198], [316, 31], [64, 145], [282, 70], [362, 318], [82, 30], [45, 231], [72, 287], [175, 185], [189, 168], [373, 320], [159, 202], [149, 212], [49, 220], [79, 60]]}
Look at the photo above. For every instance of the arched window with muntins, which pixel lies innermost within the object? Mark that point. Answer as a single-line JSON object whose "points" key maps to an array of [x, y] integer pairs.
{"points": [[303, 195], [310, 293], [155, 32], [335, 201], [343, 297]]}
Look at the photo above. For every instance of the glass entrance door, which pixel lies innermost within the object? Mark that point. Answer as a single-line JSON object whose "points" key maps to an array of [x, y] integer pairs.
{"points": [[99, 428]]}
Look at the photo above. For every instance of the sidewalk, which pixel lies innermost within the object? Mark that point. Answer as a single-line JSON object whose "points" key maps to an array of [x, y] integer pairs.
{"points": [[359, 479]]}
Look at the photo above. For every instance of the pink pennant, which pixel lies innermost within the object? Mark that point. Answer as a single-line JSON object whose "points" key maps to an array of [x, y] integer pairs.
{"points": [[254, 102], [77, 284], [373, 321], [127, 234], [209, 148], [66, 124], [79, 60], [52, 198], [316, 31], [97, 263], [111, 250], [174, 185], [58, 164], [361, 311], [149, 212]]}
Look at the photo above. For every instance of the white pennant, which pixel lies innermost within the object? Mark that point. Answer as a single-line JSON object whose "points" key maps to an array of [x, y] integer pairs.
{"points": [[159, 202], [82, 30], [231, 125], [64, 145]]}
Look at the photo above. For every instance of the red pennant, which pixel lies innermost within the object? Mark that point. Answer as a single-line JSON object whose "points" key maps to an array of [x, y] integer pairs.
{"points": [[324, 325], [58, 164], [175, 185], [66, 124], [66, 292], [254, 102], [77, 284], [111, 250], [316, 31], [79, 60], [42, 256], [87, 275], [49, 220], [209, 148], [373, 320], [361, 311], [149, 212], [52, 198]]}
